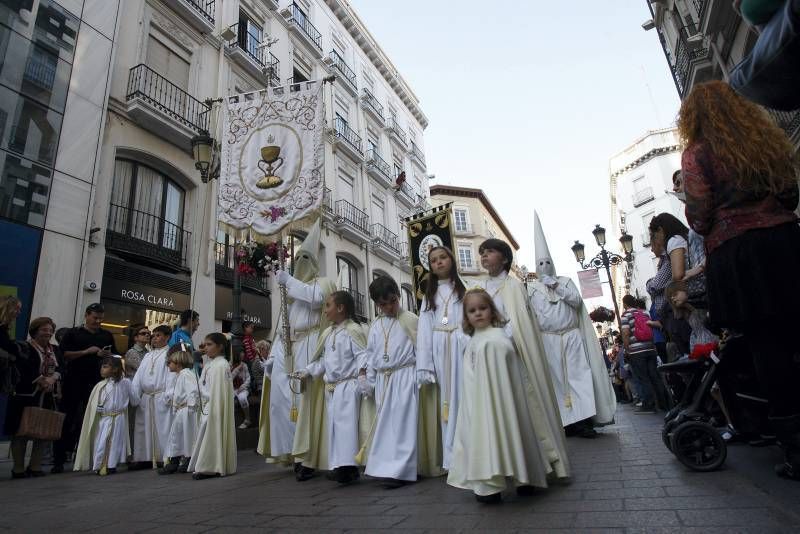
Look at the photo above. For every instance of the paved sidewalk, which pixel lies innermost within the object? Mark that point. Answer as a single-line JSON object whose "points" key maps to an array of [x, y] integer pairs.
{"points": [[624, 481]]}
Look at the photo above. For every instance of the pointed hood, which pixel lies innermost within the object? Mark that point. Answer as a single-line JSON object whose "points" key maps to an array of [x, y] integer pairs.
{"points": [[306, 259], [544, 261]]}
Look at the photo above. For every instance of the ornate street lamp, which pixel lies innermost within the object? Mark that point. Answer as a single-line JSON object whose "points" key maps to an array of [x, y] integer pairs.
{"points": [[203, 151], [605, 259]]}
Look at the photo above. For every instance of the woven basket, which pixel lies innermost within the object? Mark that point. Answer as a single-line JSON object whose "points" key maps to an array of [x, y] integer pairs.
{"points": [[40, 423]]}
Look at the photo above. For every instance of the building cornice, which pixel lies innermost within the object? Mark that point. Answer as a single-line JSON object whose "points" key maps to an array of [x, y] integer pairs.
{"points": [[369, 45], [641, 160], [468, 192]]}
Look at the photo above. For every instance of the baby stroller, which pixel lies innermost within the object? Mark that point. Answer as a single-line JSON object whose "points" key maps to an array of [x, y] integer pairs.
{"points": [[692, 428]]}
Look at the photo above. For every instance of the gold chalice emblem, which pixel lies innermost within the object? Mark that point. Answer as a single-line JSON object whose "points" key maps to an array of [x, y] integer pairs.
{"points": [[269, 156]]}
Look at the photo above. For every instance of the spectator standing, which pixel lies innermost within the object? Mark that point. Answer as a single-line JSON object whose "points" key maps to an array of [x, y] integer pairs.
{"points": [[189, 322], [133, 358], [84, 348], [740, 173], [39, 377]]}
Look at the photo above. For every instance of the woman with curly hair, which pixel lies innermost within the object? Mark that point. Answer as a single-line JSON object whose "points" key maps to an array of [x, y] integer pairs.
{"points": [[741, 174]]}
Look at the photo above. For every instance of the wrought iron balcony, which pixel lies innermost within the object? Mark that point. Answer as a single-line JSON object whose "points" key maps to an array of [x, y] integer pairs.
{"points": [[148, 237], [687, 55], [371, 105], [404, 250], [377, 167], [385, 237], [198, 13], [146, 84], [640, 198], [416, 153], [41, 69], [204, 8], [248, 50], [340, 65], [225, 262], [789, 121], [395, 132], [358, 299], [327, 201], [463, 228], [468, 266], [345, 133], [700, 8], [299, 20], [349, 215], [407, 195]]}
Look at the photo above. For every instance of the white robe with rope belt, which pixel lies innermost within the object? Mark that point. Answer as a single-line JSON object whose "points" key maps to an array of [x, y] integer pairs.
{"points": [[152, 385], [557, 312]]}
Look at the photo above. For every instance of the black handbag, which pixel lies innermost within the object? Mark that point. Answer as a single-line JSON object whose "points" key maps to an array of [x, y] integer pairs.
{"points": [[770, 74]]}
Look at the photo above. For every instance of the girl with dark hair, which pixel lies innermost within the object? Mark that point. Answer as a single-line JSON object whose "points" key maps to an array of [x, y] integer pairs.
{"points": [[214, 451], [105, 440], [439, 350], [341, 353], [740, 172]]}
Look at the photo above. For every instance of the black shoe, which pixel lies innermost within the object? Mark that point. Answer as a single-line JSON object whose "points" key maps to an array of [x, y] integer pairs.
{"points": [[494, 498], [170, 469], [347, 475], [331, 475], [304, 473], [203, 476], [393, 483], [57, 468], [524, 491], [139, 466], [184, 465], [112, 470], [588, 433], [786, 470], [15, 475], [34, 474]]}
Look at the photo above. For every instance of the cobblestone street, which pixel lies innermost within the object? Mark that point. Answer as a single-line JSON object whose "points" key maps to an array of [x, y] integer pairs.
{"points": [[624, 481]]}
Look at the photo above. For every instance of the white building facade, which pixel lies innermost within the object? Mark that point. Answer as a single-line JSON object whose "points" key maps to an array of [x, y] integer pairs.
{"points": [[147, 245], [640, 183]]}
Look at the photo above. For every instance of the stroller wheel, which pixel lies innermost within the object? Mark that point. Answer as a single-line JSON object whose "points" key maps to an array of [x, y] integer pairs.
{"points": [[698, 446]]}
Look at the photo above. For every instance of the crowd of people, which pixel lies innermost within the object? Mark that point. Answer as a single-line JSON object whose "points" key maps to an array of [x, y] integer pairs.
{"points": [[484, 385]]}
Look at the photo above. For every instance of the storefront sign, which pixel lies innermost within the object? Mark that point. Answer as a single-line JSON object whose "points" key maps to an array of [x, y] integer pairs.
{"points": [[143, 295], [255, 307]]}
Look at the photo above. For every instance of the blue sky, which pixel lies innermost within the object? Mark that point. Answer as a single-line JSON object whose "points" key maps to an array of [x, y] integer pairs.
{"points": [[528, 100]]}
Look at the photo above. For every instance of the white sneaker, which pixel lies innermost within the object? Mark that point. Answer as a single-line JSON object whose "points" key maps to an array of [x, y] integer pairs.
{"points": [[638, 404]]}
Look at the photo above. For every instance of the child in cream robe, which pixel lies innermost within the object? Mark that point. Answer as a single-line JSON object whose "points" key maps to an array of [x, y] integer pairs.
{"points": [[186, 407], [152, 386]]}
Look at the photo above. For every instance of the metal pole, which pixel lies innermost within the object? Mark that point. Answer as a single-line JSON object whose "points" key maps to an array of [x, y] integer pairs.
{"points": [[606, 263], [236, 294]]}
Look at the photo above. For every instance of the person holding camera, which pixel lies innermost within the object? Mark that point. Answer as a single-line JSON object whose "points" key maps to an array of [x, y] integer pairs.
{"points": [[84, 348]]}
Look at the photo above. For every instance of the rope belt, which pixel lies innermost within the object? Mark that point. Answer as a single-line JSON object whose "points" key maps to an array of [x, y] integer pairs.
{"points": [[387, 371], [112, 414], [153, 446], [448, 364], [104, 464], [564, 370], [331, 386]]}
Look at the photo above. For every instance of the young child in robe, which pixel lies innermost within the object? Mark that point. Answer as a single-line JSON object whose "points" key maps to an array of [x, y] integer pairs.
{"points": [[186, 408], [105, 440], [214, 452], [495, 438], [241, 386], [390, 374], [439, 350], [343, 355]]}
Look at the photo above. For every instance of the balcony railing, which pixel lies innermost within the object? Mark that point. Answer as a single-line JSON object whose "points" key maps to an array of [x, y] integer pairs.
{"points": [[417, 153], [372, 103], [341, 66], [468, 266], [700, 7], [408, 193], [258, 54], [300, 20], [376, 161], [358, 298], [205, 8], [391, 124], [41, 69], [463, 228], [404, 249], [327, 201], [225, 260], [386, 237], [686, 54], [150, 86], [148, 236], [642, 197], [347, 134], [351, 215], [788, 120]]}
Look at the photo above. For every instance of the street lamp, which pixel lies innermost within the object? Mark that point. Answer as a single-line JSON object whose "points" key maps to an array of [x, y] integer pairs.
{"points": [[605, 259], [203, 148]]}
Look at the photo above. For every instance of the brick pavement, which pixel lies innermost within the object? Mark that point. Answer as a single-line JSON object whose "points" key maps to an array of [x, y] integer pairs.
{"points": [[624, 481]]}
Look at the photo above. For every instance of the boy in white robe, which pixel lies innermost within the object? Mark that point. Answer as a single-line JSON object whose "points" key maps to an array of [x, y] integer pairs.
{"points": [[186, 407], [343, 355], [390, 375], [152, 386], [105, 442], [214, 452]]}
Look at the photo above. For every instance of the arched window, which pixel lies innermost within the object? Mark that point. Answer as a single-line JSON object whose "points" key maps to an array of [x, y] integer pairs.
{"points": [[146, 205]]}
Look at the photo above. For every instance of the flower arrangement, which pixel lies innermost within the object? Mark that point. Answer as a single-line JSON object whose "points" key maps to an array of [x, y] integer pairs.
{"points": [[601, 314], [256, 259]]}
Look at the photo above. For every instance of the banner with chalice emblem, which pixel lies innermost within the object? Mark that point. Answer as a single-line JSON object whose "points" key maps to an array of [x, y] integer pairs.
{"points": [[271, 164]]}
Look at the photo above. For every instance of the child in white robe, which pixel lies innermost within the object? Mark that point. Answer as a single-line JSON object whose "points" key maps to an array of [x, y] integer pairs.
{"points": [[439, 347], [186, 406], [105, 440], [495, 438], [241, 387], [214, 452], [152, 386], [390, 375], [343, 356]]}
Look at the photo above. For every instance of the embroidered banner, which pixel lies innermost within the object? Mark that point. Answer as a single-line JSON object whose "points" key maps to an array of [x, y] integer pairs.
{"points": [[427, 230], [271, 173]]}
